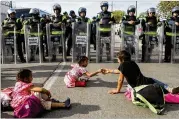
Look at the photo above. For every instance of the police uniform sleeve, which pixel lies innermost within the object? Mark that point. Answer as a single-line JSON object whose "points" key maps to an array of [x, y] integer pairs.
{"points": [[124, 20], [137, 21], [112, 18], [88, 21], [18, 24], [98, 17], [64, 19]]}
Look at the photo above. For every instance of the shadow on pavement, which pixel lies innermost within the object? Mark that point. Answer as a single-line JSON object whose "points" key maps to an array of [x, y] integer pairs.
{"points": [[171, 107], [101, 83], [76, 108]]}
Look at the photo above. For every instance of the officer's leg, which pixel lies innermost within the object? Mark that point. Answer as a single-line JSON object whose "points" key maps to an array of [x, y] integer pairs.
{"points": [[46, 44], [54, 48], [94, 40], [33, 49], [42, 48], [168, 47], [69, 44], [19, 48], [23, 43], [12, 51], [143, 49], [108, 50], [150, 49]]}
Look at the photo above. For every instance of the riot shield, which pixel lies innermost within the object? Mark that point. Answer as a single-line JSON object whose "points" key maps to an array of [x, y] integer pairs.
{"points": [[152, 47], [161, 40], [80, 40], [175, 44], [130, 40], [33, 37], [105, 38], [8, 44], [56, 42]]}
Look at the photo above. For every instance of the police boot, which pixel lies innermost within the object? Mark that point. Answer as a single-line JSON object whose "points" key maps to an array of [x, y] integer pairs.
{"points": [[60, 50]]}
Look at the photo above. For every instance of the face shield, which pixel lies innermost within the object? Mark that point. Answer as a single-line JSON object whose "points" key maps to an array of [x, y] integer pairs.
{"points": [[104, 8], [82, 14], [151, 14], [12, 15], [131, 13], [57, 11]]}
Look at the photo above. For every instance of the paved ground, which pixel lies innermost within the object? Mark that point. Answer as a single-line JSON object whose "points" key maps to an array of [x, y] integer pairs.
{"points": [[40, 72], [93, 100]]}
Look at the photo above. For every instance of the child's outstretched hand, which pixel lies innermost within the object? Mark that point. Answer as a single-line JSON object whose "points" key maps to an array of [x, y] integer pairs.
{"points": [[104, 71], [99, 70]]}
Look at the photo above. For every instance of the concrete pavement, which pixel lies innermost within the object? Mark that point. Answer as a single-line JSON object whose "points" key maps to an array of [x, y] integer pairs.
{"points": [[41, 72], [93, 101]]}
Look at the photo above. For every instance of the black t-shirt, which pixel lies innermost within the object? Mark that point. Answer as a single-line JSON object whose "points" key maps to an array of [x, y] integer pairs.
{"points": [[133, 75]]}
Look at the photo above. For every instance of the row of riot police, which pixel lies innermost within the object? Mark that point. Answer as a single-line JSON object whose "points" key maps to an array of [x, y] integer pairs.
{"points": [[42, 37], [153, 33]]}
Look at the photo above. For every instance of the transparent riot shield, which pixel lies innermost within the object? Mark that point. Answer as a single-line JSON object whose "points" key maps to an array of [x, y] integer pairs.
{"points": [[175, 44], [56, 42], [130, 40], [105, 38], [161, 40], [33, 36], [152, 47], [8, 45], [80, 40]]}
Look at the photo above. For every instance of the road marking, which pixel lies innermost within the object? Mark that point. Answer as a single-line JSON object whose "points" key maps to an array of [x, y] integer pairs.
{"points": [[55, 76]]}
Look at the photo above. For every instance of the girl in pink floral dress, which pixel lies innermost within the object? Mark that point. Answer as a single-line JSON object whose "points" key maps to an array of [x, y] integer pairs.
{"points": [[24, 89], [74, 77]]}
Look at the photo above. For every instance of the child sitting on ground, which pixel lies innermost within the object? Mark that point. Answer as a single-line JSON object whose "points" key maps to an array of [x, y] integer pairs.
{"points": [[24, 89], [74, 77]]}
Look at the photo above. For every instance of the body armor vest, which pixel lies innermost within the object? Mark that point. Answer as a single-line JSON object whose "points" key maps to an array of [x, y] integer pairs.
{"points": [[105, 17]]}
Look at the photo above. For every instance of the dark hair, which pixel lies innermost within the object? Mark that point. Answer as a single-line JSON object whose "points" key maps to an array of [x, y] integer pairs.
{"points": [[124, 56], [23, 75], [82, 59]]}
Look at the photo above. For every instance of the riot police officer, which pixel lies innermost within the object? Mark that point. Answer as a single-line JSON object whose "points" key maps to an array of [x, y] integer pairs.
{"points": [[105, 18], [70, 20], [33, 21], [57, 22], [73, 15], [129, 21], [151, 21], [168, 41], [15, 22], [82, 15], [130, 18], [44, 21]]}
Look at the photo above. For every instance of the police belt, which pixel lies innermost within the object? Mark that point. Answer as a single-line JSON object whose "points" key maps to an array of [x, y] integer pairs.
{"points": [[57, 32], [151, 33], [11, 32], [172, 34], [105, 29]]}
